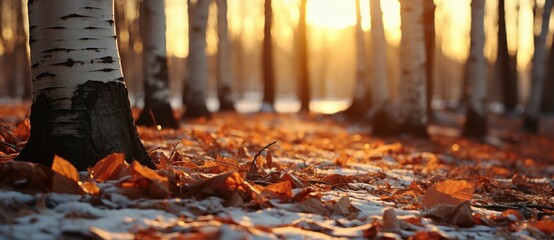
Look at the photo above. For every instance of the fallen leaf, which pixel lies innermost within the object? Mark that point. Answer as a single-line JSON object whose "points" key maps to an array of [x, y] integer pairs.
{"points": [[390, 221], [342, 207], [65, 168], [546, 226], [281, 190], [513, 215], [463, 215], [23, 130], [111, 167], [89, 187], [62, 184], [26, 176], [426, 235], [312, 205], [452, 192], [342, 160]]}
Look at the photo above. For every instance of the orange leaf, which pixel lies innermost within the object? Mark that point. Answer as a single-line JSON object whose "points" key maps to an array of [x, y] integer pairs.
{"points": [[23, 130], [281, 190], [62, 184], [90, 187], [65, 168], [546, 226], [450, 192], [111, 167]]}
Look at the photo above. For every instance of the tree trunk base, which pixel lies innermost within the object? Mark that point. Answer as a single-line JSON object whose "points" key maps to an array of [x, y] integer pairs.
{"points": [[475, 125], [196, 111], [384, 125], [99, 123], [530, 124], [419, 131], [226, 106], [160, 114], [356, 111]]}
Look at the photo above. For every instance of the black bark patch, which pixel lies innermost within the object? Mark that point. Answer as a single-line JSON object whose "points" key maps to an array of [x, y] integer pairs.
{"points": [[111, 22], [58, 50], [225, 101], [55, 28], [475, 126], [45, 75], [101, 124], [384, 125], [530, 124], [74, 15], [107, 59], [85, 39], [195, 111], [94, 49], [158, 114], [69, 63], [105, 70], [92, 8], [92, 28]]}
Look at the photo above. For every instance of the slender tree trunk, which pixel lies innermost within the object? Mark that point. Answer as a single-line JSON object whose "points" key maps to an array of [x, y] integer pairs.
{"points": [[476, 122], [382, 123], [533, 107], [224, 70], [548, 99], [429, 27], [362, 95], [80, 107], [268, 101], [412, 61], [503, 66], [197, 80], [303, 69], [3, 79], [157, 110]]}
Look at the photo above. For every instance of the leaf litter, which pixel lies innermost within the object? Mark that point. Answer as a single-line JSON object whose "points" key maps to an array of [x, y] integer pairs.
{"points": [[267, 176]]}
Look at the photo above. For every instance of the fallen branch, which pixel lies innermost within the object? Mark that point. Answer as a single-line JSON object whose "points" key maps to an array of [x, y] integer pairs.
{"points": [[10, 146], [253, 166]]}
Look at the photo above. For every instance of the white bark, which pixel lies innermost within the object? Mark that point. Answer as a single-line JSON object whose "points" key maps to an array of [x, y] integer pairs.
{"points": [[412, 64], [154, 50], [224, 71], [538, 73], [197, 80], [380, 89], [72, 42], [477, 64]]}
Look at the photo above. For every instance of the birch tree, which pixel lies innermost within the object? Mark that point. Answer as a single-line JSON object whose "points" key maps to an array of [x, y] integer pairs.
{"points": [[224, 70], [382, 123], [197, 64], [80, 107], [476, 121], [268, 72], [362, 98], [533, 107], [412, 67], [303, 69], [157, 110]]}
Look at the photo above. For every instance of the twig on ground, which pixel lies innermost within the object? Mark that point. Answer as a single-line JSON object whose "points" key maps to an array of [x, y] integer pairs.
{"points": [[253, 166], [10, 146]]}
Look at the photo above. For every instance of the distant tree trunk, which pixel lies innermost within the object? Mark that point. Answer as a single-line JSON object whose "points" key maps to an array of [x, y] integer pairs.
{"points": [[382, 122], [548, 99], [157, 110], [533, 107], [268, 101], [362, 95], [429, 27], [303, 72], [224, 70], [22, 73], [197, 77], [476, 121], [3, 79], [80, 107], [504, 67], [412, 61]]}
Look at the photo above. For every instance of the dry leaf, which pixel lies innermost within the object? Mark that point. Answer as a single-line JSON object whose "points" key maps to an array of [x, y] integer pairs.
{"points": [[23, 130], [111, 167], [452, 192], [342, 160], [90, 187], [513, 215], [281, 190], [62, 184], [546, 226], [65, 168], [312, 205], [26, 176], [390, 221], [427, 236], [463, 216], [342, 207]]}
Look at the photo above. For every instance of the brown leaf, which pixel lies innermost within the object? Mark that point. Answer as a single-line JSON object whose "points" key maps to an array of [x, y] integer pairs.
{"points": [[62, 184], [65, 168], [26, 176], [23, 130], [513, 215], [463, 216], [424, 235], [312, 205], [390, 221], [111, 167], [342, 207], [452, 192], [342, 160], [546, 226], [281, 190]]}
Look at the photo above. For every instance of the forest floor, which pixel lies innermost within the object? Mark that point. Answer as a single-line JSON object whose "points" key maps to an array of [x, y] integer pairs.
{"points": [[320, 179]]}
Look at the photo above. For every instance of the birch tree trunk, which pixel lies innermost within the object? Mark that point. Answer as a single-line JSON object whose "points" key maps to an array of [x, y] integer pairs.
{"points": [[429, 28], [362, 96], [382, 123], [303, 69], [533, 107], [476, 121], [268, 100], [224, 70], [197, 68], [157, 110], [80, 107], [504, 68], [412, 61]]}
